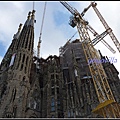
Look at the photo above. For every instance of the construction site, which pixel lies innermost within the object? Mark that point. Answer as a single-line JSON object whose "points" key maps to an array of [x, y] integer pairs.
{"points": [[79, 83]]}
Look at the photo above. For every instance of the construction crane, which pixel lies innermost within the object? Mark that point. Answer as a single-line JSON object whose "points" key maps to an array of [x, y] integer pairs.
{"points": [[38, 47], [36, 59], [108, 107], [95, 41], [101, 36], [111, 34]]}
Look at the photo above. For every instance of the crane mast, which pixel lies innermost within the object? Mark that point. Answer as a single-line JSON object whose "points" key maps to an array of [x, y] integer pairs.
{"points": [[95, 41], [111, 34], [108, 107]]}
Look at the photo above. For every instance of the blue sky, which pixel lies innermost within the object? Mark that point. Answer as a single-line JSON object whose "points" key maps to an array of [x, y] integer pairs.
{"points": [[56, 30]]}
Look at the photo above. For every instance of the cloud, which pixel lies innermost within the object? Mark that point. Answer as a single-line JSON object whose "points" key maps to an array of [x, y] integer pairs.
{"points": [[55, 34], [11, 15]]}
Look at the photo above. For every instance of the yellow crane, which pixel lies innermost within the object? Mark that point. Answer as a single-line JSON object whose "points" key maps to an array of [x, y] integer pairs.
{"points": [[108, 107], [108, 29]]}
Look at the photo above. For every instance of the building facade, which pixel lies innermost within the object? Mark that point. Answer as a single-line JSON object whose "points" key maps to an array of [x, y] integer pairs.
{"points": [[55, 87]]}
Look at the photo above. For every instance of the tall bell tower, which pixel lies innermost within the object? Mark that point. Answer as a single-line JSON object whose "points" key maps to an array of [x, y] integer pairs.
{"points": [[17, 65]]}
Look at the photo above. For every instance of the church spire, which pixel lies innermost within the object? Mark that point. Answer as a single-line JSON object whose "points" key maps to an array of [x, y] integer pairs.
{"points": [[20, 66], [32, 18], [28, 19], [11, 50], [16, 36], [26, 39]]}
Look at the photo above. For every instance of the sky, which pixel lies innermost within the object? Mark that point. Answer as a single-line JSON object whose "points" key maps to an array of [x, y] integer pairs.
{"points": [[56, 30]]}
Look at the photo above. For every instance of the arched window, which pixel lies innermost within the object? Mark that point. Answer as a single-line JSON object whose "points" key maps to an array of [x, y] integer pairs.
{"points": [[57, 90], [23, 58], [53, 108], [38, 106], [52, 91], [52, 102], [68, 113], [28, 103], [52, 76], [52, 83], [57, 83], [72, 114], [32, 105], [57, 77], [8, 115], [35, 104]]}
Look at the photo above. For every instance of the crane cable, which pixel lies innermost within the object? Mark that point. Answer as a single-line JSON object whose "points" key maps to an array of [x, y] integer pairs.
{"points": [[38, 52], [72, 36], [33, 5]]}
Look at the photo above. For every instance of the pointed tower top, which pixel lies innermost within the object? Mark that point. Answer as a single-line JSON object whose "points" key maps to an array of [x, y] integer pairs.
{"points": [[33, 11], [29, 14], [16, 36], [32, 18], [33, 15], [28, 18], [20, 26]]}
